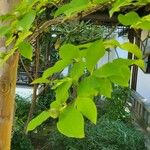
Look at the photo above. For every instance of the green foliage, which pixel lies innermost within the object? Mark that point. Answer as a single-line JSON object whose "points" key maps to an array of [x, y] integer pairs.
{"points": [[73, 7], [87, 32], [27, 20], [99, 80], [132, 48], [22, 108], [97, 48], [20, 141], [58, 67], [43, 116], [129, 18], [118, 4], [77, 70], [71, 122], [61, 91], [106, 135], [116, 107], [4, 30], [135, 21], [88, 108], [45, 99], [25, 50], [73, 52], [91, 80]]}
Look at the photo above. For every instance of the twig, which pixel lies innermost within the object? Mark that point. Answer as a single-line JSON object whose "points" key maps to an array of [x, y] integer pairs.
{"points": [[110, 33], [35, 87], [28, 73], [116, 53], [60, 20], [146, 42]]}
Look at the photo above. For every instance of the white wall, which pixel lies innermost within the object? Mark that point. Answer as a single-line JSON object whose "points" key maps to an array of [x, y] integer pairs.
{"points": [[24, 91], [143, 84], [143, 81]]}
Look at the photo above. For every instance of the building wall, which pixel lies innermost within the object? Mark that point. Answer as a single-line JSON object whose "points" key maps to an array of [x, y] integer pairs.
{"points": [[143, 81], [143, 84]]}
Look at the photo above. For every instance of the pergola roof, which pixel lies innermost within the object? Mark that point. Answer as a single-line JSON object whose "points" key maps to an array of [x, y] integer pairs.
{"points": [[102, 16]]}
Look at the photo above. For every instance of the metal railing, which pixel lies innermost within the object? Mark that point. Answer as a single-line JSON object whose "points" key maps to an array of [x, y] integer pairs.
{"points": [[141, 109]]}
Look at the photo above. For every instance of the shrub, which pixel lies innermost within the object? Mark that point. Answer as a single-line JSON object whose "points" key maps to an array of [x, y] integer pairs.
{"points": [[45, 99], [22, 109], [19, 140], [106, 135], [115, 108]]}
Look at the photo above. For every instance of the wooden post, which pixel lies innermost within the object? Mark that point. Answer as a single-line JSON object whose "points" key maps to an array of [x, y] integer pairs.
{"points": [[131, 39], [135, 68]]}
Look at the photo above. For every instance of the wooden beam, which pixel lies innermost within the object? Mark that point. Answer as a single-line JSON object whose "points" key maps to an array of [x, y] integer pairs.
{"points": [[101, 18], [135, 68], [131, 39]]}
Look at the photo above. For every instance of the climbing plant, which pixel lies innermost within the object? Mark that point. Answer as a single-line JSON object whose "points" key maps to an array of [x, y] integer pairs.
{"points": [[75, 92]]}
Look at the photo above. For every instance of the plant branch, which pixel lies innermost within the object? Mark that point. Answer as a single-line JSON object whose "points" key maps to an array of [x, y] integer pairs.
{"points": [[60, 20], [28, 73]]}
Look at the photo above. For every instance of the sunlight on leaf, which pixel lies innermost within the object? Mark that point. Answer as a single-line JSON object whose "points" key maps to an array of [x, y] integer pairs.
{"points": [[71, 122]]}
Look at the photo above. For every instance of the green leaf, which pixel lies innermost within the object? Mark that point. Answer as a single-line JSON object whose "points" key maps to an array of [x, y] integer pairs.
{"points": [[94, 53], [7, 55], [108, 70], [118, 4], [4, 30], [61, 10], [71, 122], [142, 2], [105, 87], [87, 87], [40, 80], [58, 67], [84, 46], [27, 20], [92, 85], [100, 1], [111, 43], [124, 79], [26, 50], [130, 18], [6, 17], [132, 48], [55, 109], [57, 83], [143, 23], [22, 37], [129, 62], [77, 70], [55, 104], [68, 51], [87, 107], [38, 120], [73, 7], [139, 63], [62, 91]]}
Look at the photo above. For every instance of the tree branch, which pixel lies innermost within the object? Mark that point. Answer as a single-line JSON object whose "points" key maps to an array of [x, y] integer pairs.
{"points": [[60, 20]]}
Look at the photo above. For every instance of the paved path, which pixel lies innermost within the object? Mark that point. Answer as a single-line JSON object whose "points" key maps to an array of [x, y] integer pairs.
{"points": [[24, 91]]}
